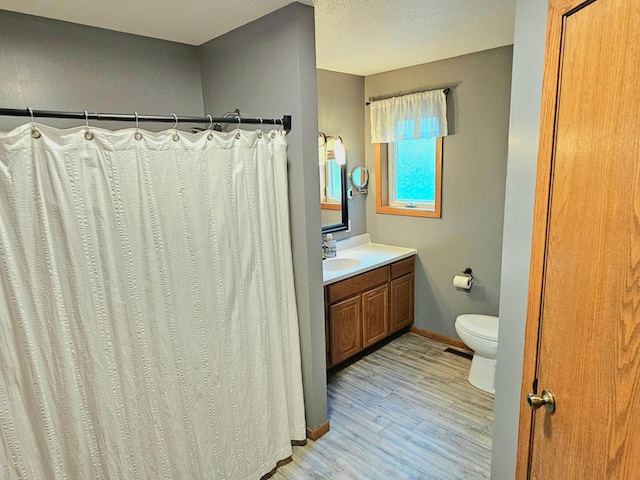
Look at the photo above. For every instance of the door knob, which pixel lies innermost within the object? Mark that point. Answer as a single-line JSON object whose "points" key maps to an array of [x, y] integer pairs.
{"points": [[545, 400]]}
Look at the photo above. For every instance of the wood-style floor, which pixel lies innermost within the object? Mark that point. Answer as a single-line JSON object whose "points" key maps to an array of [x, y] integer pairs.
{"points": [[406, 411]]}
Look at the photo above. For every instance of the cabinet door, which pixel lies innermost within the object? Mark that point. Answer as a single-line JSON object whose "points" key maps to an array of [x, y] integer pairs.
{"points": [[402, 298], [375, 315], [345, 329]]}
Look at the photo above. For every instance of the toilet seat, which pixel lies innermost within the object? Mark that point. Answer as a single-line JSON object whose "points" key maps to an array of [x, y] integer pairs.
{"points": [[481, 326]]}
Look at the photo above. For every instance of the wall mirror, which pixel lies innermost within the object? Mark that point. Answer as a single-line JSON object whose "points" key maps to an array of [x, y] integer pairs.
{"points": [[359, 178], [333, 183]]}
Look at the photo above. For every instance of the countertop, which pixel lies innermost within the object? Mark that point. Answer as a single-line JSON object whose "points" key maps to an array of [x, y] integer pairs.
{"points": [[370, 255]]}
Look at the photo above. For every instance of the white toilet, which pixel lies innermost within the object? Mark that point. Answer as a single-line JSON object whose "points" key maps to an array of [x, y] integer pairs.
{"points": [[480, 334]]}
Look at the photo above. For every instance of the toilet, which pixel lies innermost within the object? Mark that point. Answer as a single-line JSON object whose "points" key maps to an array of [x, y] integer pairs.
{"points": [[480, 334]]}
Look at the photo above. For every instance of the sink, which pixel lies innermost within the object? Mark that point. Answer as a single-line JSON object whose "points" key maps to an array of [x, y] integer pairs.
{"points": [[339, 263]]}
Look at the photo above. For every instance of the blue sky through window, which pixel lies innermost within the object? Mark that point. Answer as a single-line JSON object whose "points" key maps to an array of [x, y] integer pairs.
{"points": [[415, 170], [334, 185]]}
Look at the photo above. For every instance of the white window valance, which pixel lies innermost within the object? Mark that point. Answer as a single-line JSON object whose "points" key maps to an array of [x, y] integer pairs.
{"points": [[413, 116]]}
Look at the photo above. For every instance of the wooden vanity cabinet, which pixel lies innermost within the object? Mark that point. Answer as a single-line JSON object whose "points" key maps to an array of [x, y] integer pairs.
{"points": [[362, 310]]}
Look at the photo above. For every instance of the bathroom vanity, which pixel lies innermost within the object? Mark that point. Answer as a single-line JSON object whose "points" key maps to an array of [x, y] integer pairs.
{"points": [[368, 298]]}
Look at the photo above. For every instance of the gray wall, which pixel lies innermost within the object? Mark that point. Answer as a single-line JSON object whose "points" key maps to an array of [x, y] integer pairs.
{"points": [[267, 68], [340, 110], [528, 54], [469, 234], [52, 65]]}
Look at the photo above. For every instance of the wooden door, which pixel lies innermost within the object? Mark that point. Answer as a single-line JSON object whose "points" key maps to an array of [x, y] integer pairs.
{"points": [[375, 315], [583, 325], [345, 329]]}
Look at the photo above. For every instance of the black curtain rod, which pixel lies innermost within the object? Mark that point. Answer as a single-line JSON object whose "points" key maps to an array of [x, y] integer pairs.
{"points": [[285, 121], [446, 92]]}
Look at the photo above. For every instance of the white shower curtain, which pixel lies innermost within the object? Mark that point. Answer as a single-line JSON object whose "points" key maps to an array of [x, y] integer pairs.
{"points": [[148, 319]]}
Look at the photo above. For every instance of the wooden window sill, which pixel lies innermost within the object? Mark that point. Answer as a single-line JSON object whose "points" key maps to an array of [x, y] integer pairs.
{"points": [[409, 212], [330, 206]]}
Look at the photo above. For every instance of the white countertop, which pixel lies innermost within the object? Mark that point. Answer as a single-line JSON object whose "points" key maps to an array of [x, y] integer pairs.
{"points": [[370, 255]]}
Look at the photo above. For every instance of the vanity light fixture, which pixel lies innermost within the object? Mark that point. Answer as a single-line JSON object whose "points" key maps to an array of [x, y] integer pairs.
{"points": [[322, 149], [338, 151], [331, 146]]}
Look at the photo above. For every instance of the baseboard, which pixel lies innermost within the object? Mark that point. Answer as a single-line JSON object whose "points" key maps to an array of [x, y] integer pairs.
{"points": [[316, 433], [454, 342]]}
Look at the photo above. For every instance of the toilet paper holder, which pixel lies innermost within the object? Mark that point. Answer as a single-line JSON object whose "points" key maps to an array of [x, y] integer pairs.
{"points": [[467, 272]]}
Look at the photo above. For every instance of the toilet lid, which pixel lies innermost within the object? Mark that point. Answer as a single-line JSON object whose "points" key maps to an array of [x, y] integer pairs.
{"points": [[483, 326]]}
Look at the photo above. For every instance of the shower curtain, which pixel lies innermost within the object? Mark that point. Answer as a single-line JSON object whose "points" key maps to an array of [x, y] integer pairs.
{"points": [[148, 318]]}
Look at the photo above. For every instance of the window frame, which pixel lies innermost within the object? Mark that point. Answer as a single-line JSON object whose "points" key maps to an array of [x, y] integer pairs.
{"points": [[382, 185]]}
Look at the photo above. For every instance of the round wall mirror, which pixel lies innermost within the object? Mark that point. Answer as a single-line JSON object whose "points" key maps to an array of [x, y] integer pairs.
{"points": [[359, 177]]}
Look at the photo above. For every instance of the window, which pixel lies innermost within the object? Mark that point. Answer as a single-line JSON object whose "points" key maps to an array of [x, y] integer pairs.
{"points": [[407, 132], [409, 177]]}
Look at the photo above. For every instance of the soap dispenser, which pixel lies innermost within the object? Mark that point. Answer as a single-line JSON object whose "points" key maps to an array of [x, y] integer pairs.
{"points": [[330, 246]]}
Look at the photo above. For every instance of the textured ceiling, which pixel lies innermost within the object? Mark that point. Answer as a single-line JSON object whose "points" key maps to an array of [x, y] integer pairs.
{"points": [[353, 36], [371, 36]]}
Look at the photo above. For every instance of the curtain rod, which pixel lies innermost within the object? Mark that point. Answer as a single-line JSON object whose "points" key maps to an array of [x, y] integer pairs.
{"points": [[285, 121], [446, 92]]}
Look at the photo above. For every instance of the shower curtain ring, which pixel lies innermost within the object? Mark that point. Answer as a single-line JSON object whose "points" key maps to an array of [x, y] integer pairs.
{"points": [[261, 122], [175, 137], [34, 131], [239, 122], [210, 136], [88, 135], [138, 135]]}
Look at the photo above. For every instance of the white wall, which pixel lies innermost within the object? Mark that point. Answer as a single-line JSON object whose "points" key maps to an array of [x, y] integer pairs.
{"points": [[526, 92]]}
